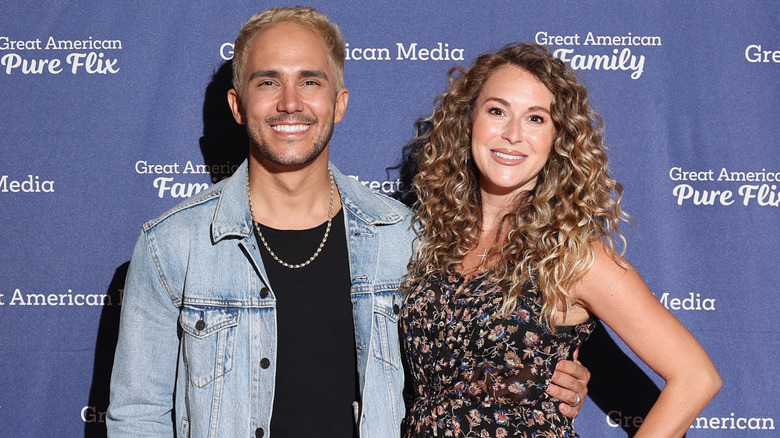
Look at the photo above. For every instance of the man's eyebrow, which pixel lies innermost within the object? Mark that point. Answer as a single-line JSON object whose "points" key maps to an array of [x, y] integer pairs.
{"points": [[313, 74], [263, 74], [273, 74]]}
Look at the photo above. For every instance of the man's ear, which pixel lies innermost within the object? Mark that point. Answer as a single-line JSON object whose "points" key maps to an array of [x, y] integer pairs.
{"points": [[234, 101], [342, 98]]}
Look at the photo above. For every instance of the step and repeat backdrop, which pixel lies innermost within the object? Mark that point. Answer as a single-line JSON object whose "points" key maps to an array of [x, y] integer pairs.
{"points": [[113, 112]]}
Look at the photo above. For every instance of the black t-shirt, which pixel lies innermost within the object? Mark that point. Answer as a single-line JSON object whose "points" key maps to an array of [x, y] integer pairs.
{"points": [[316, 371]]}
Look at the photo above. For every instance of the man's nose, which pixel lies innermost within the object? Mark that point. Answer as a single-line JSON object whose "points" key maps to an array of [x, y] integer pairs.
{"points": [[290, 101]]}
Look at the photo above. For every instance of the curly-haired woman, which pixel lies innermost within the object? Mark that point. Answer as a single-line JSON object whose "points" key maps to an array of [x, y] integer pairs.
{"points": [[518, 218]]}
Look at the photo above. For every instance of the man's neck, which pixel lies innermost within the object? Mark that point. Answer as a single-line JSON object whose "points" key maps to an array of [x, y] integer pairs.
{"points": [[291, 198]]}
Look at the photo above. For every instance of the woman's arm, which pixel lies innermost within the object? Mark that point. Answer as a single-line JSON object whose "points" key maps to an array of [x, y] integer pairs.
{"points": [[621, 299]]}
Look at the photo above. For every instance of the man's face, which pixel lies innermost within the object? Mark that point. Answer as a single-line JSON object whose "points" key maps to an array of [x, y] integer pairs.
{"points": [[289, 101]]}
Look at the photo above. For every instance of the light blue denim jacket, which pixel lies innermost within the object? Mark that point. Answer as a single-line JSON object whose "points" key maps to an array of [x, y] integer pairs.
{"points": [[199, 318]]}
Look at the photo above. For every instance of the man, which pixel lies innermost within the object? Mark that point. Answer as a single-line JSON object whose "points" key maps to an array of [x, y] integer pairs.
{"points": [[275, 290]]}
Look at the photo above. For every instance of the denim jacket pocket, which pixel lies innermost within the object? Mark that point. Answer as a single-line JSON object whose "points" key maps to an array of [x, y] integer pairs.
{"points": [[209, 342], [385, 346]]}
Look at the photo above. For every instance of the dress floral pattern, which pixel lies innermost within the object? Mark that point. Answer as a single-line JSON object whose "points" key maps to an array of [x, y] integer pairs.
{"points": [[476, 375]]}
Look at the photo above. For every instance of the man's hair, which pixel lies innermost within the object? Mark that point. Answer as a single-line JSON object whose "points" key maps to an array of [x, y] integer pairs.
{"points": [[307, 17], [574, 204]]}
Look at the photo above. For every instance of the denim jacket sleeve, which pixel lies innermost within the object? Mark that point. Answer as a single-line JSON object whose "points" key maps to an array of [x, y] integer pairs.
{"points": [[144, 373]]}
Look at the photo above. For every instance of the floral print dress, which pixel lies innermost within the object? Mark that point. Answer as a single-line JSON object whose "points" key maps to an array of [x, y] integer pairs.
{"points": [[476, 375]]}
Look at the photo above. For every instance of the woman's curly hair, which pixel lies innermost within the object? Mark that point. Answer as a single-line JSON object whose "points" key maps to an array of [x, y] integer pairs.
{"points": [[551, 228]]}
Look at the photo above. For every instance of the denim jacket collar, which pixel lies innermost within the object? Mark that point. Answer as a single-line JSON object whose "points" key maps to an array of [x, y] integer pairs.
{"points": [[365, 206], [232, 218]]}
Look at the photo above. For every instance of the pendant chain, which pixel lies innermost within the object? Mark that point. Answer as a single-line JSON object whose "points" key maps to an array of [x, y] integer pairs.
{"points": [[324, 238]]}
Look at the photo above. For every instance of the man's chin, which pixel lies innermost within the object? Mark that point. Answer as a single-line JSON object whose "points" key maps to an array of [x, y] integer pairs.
{"points": [[291, 162]]}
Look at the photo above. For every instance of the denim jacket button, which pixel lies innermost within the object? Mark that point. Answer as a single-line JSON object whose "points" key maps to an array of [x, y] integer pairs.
{"points": [[265, 363], [200, 325], [396, 309], [259, 432], [264, 292]]}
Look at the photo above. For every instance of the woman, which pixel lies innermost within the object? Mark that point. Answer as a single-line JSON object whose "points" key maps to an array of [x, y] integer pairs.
{"points": [[518, 224]]}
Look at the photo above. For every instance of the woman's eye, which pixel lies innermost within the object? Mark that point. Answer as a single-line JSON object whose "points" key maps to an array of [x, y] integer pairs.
{"points": [[496, 111], [537, 119]]}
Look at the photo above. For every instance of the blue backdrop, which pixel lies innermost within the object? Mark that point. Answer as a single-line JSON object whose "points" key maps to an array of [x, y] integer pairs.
{"points": [[113, 112]]}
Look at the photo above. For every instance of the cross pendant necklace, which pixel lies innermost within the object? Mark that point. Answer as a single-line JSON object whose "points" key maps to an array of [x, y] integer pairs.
{"points": [[483, 256]]}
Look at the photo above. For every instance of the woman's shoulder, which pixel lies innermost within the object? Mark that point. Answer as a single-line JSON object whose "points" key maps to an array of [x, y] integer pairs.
{"points": [[606, 272]]}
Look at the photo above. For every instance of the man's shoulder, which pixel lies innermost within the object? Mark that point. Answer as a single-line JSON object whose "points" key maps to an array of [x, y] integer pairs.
{"points": [[198, 208], [369, 204], [377, 199]]}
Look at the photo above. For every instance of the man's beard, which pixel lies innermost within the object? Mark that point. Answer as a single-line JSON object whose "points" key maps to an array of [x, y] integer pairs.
{"points": [[257, 140]]}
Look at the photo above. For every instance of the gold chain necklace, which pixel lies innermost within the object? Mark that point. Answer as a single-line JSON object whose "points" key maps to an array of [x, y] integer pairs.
{"points": [[268, 248]]}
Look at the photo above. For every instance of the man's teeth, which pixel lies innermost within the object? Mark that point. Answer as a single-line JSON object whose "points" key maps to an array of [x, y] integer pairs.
{"points": [[290, 128], [508, 157]]}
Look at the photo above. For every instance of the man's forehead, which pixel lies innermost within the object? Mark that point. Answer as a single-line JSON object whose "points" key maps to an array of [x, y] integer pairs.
{"points": [[283, 45], [289, 35], [288, 50]]}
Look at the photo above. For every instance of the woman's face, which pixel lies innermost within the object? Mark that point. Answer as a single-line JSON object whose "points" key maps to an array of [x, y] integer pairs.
{"points": [[512, 131]]}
